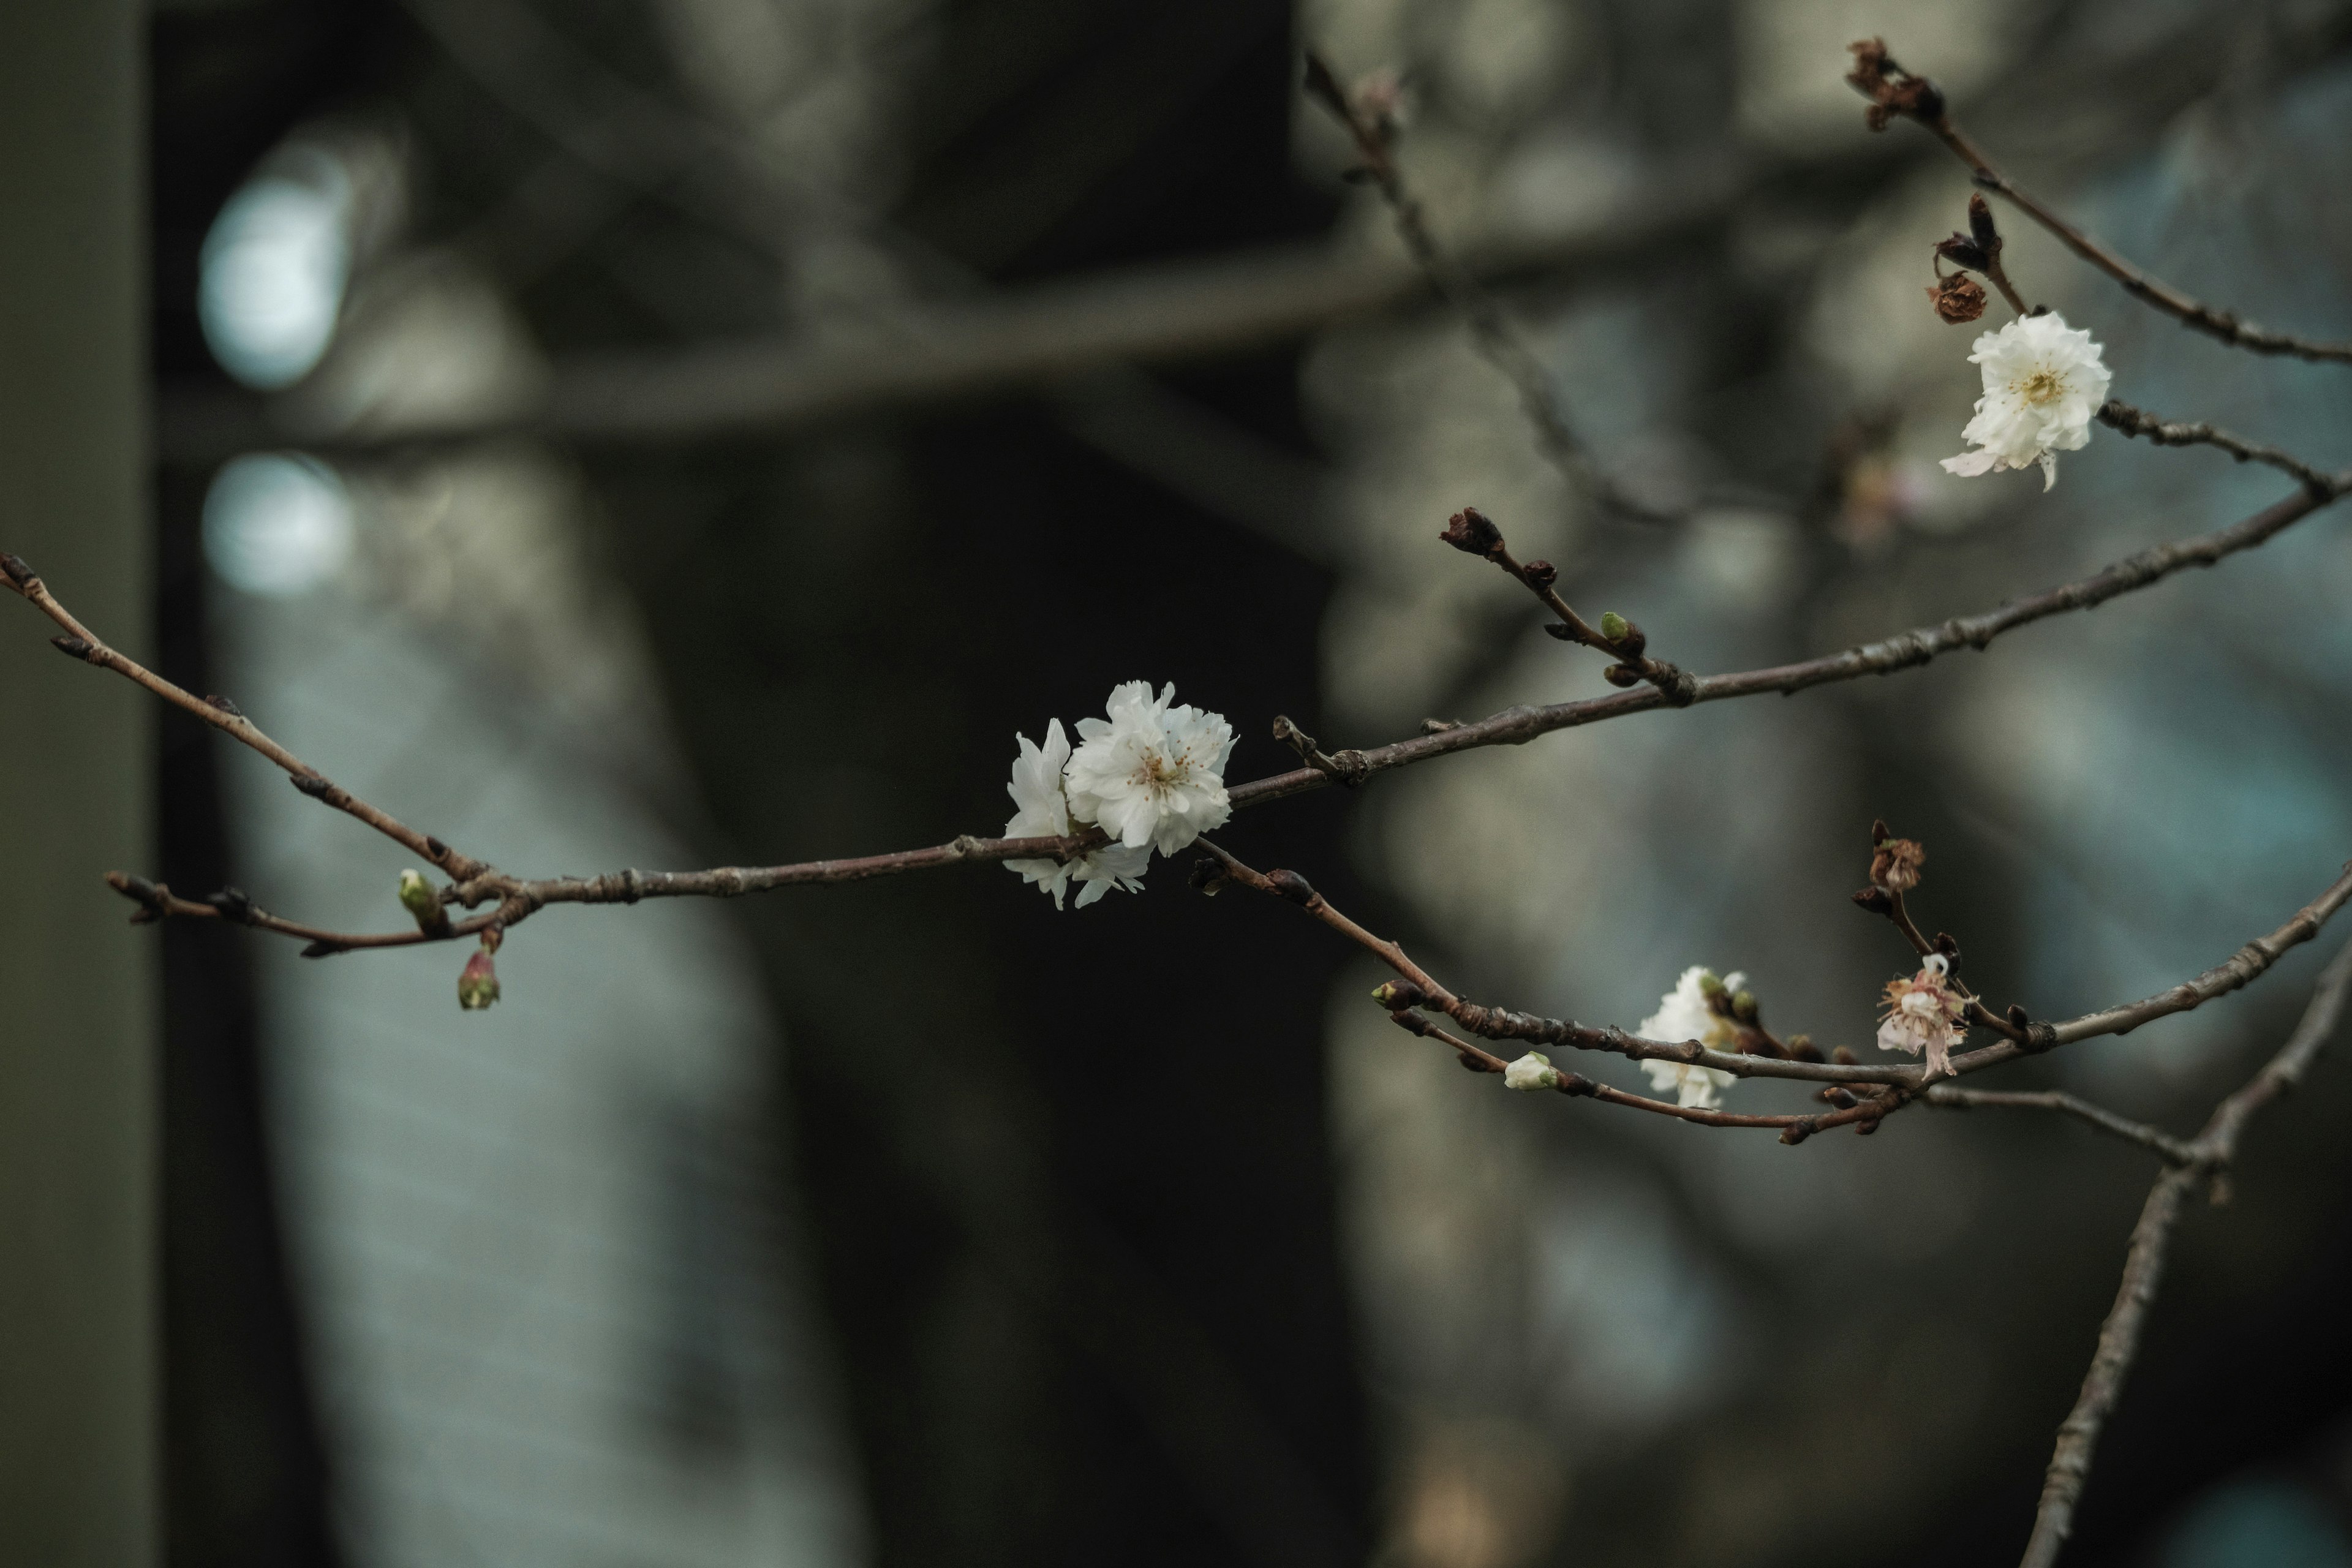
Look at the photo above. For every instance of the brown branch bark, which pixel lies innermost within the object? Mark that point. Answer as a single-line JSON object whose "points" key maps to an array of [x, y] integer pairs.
{"points": [[476, 882], [1915, 98], [2175, 1151], [2117, 414], [2214, 1149]]}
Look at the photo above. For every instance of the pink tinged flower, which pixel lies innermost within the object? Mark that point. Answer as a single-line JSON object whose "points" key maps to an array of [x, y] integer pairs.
{"points": [[1924, 1013], [477, 983], [2044, 385], [1043, 811], [1152, 773]]}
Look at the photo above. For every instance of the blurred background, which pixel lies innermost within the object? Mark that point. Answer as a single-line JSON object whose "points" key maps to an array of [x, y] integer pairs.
{"points": [[676, 432]]}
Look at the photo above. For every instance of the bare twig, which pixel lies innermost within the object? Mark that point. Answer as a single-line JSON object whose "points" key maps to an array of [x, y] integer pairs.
{"points": [[2214, 1149], [2119, 415], [2175, 1151], [1895, 91]]}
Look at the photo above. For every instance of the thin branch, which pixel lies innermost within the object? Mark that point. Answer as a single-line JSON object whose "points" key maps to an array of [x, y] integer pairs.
{"points": [[2119, 415], [477, 882], [2175, 1151], [2118, 1346], [1895, 91], [79, 642], [1423, 992]]}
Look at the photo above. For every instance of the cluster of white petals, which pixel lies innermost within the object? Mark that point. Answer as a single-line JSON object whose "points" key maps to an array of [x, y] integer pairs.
{"points": [[1151, 775], [2043, 383], [1532, 1071], [1923, 1013], [1685, 1013], [1045, 813]]}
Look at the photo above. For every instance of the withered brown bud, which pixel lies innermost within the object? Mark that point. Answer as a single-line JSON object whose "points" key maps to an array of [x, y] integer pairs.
{"points": [[1207, 876], [1958, 299], [1949, 946], [1962, 251], [1874, 900], [1292, 886], [1981, 225], [1540, 573], [1801, 1048], [1470, 531], [1891, 90], [1895, 864]]}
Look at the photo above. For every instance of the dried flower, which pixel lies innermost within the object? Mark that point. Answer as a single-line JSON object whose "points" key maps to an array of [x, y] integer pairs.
{"points": [[1958, 298], [1532, 1071], [2043, 383], [1891, 90], [1471, 532], [1895, 864], [1690, 1012], [1152, 774], [1043, 812], [1923, 1013]]}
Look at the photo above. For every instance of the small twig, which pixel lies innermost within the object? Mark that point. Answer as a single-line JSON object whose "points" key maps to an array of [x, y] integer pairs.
{"points": [[2214, 1149], [1895, 91], [1347, 767], [2120, 415], [2175, 1151], [1473, 532]]}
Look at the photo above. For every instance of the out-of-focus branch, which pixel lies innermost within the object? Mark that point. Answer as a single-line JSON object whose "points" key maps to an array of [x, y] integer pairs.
{"points": [[2213, 1153], [1893, 92], [2174, 1150], [1497, 341]]}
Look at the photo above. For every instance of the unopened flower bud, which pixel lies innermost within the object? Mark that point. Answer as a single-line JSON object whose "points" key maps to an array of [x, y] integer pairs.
{"points": [[1470, 531], [1844, 1058], [1612, 626], [1532, 1072], [1711, 985], [1801, 1048], [477, 983], [1743, 1006], [1540, 573], [1399, 994], [418, 897], [1981, 225]]}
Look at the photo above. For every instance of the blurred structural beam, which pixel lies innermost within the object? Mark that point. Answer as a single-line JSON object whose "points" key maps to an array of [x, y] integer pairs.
{"points": [[1017, 340], [78, 1364]]}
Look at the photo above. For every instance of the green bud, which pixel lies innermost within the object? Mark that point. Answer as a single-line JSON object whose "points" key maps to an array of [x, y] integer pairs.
{"points": [[1709, 982], [1612, 627], [418, 897], [1743, 1006]]}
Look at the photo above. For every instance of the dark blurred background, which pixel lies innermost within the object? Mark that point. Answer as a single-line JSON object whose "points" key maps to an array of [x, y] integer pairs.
{"points": [[680, 432]]}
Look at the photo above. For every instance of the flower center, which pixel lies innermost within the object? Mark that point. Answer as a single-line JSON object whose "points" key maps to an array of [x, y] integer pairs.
{"points": [[2041, 386]]}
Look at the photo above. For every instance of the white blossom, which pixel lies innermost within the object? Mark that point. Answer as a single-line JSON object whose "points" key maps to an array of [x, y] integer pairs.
{"points": [[1038, 791], [1152, 774], [2043, 385], [1923, 1013], [1686, 1013], [1531, 1071]]}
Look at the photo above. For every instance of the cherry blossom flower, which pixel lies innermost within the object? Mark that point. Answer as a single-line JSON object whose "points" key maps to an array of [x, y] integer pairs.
{"points": [[1923, 1013], [1152, 775], [1689, 1013], [2043, 383], [1532, 1071], [1038, 791]]}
